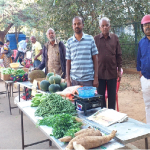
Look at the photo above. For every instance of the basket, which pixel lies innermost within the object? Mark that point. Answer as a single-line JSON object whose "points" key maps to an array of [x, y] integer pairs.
{"points": [[14, 65], [86, 92]]}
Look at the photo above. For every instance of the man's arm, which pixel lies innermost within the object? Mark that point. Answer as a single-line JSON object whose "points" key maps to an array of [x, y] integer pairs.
{"points": [[138, 61], [95, 62], [119, 59], [35, 58], [68, 67], [42, 65]]}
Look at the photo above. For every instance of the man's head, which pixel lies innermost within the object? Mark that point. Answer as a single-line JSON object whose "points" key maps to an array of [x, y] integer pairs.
{"points": [[77, 24], [51, 34], [33, 39], [104, 25], [1, 44], [7, 42], [145, 24]]}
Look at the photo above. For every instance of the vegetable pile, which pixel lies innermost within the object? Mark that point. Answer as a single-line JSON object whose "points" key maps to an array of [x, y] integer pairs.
{"points": [[13, 71], [39, 97], [62, 124], [53, 83], [18, 72], [54, 104], [6, 71]]}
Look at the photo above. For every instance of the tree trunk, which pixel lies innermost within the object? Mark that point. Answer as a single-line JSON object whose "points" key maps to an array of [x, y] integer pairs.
{"points": [[3, 33]]}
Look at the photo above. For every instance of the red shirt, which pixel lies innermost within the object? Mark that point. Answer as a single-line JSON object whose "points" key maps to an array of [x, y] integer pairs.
{"points": [[109, 56]]}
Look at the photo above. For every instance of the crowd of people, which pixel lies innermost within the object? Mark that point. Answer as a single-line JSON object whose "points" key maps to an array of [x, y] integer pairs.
{"points": [[89, 61]]}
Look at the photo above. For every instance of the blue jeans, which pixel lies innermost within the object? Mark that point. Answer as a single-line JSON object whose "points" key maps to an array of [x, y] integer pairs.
{"points": [[36, 63]]}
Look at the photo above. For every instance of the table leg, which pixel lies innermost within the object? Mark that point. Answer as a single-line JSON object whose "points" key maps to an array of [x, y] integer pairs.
{"points": [[6, 88], [12, 89], [50, 143], [19, 91], [22, 130], [146, 143], [8, 93]]}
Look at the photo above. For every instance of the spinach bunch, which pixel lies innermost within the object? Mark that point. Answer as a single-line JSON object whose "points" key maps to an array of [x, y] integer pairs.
{"points": [[62, 124]]}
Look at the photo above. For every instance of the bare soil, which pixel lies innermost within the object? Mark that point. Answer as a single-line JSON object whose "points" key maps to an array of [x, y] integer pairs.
{"points": [[131, 101]]}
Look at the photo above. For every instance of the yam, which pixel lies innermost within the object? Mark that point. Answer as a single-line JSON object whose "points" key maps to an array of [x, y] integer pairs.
{"points": [[78, 146], [65, 139], [89, 132], [89, 142], [69, 138]]}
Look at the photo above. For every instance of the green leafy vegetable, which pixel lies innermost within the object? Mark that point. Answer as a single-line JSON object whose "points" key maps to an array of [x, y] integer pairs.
{"points": [[62, 124], [54, 104]]}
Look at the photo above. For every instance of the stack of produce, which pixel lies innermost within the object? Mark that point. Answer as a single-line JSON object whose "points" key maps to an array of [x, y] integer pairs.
{"points": [[39, 97], [7, 70], [36, 74], [62, 124], [52, 83], [18, 75], [87, 139], [54, 104]]}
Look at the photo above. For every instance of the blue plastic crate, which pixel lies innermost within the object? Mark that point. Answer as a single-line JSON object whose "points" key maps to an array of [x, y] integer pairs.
{"points": [[86, 91]]}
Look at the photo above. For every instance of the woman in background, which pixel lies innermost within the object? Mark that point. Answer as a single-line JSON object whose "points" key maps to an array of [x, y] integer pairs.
{"points": [[4, 51]]}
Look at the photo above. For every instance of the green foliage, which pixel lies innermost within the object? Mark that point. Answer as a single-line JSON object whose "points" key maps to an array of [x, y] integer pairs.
{"points": [[55, 104], [62, 124]]}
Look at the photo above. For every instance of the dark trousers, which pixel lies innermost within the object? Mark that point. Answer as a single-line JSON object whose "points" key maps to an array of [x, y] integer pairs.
{"points": [[18, 54], [111, 91]]}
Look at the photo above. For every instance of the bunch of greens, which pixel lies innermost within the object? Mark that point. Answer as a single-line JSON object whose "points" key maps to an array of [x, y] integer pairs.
{"points": [[62, 124], [18, 72], [6, 71], [54, 104]]}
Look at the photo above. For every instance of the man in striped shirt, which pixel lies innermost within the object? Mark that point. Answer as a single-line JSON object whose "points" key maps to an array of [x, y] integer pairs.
{"points": [[81, 56]]}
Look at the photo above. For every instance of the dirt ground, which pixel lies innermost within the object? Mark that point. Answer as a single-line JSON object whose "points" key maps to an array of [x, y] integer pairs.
{"points": [[131, 101]]}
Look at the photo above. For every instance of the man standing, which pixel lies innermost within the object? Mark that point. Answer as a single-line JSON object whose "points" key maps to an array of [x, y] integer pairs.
{"points": [[54, 52], [109, 58], [143, 64], [36, 52], [81, 55], [21, 48]]}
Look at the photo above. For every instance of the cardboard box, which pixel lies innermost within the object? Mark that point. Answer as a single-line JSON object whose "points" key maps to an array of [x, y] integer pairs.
{"points": [[38, 82], [16, 87], [5, 77], [26, 70]]}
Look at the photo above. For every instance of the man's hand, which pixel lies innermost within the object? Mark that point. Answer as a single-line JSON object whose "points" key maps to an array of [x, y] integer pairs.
{"points": [[95, 82], [140, 74], [35, 58], [36, 68], [119, 76]]}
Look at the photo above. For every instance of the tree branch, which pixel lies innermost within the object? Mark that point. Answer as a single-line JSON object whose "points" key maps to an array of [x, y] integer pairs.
{"points": [[7, 29]]}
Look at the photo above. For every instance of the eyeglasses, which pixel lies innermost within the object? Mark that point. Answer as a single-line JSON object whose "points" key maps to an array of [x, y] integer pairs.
{"points": [[146, 25]]}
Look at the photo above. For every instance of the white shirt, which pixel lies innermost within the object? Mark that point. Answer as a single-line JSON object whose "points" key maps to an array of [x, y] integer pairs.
{"points": [[22, 46]]}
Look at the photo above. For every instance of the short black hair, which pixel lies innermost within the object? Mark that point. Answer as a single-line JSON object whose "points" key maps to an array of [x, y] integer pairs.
{"points": [[78, 18], [7, 41], [1, 43]]}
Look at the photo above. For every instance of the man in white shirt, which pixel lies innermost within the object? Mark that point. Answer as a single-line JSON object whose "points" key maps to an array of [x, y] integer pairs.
{"points": [[22, 48]]}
